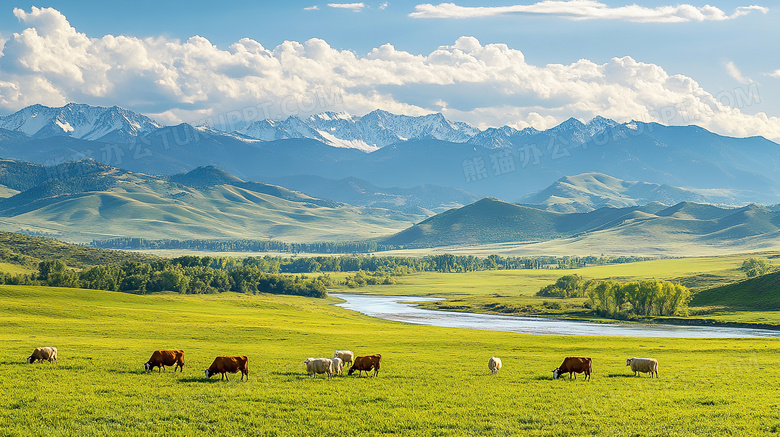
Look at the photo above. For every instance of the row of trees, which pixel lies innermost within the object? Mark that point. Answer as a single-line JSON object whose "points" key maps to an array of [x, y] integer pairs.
{"points": [[612, 299], [125, 243], [439, 262], [191, 278]]}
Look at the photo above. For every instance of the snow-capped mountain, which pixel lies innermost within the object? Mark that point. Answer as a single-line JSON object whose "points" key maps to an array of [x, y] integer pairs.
{"points": [[79, 121], [369, 132], [379, 128]]}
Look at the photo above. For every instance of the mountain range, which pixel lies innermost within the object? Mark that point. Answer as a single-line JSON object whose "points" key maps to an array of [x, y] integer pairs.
{"points": [[407, 152], [86, 200], [649, 228]]}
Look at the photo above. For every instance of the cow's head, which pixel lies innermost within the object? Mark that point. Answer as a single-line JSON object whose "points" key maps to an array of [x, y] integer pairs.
{"points": [[209, 373], [30, 359], [628, 361], [351, 370], [147, 366], [557, 373]]}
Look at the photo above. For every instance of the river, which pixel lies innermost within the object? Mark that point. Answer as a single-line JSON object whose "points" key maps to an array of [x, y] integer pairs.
{"points": [[397, 309]]}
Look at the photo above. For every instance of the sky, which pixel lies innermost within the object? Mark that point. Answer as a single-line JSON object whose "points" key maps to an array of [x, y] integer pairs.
{"points": [[519, 63]]}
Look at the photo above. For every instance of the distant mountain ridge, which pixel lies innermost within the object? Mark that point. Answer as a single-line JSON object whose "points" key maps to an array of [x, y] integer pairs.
{"points": [[490, 221], [589, 191], [503, 162], [79, 121]]}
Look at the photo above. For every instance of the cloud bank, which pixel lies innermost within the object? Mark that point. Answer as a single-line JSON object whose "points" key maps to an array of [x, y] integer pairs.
{"points": [[52, 63], [587, 10]]}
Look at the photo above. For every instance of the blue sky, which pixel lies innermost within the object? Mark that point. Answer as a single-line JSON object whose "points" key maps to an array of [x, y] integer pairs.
{"points": [[720, 55]]}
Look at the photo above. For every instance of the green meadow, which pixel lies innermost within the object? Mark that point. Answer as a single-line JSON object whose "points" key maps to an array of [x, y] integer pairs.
{"points": [[433, 381]]}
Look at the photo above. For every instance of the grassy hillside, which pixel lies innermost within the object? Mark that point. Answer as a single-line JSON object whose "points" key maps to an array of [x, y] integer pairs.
{"points": [[434, 381], [759, 293], [93, 201], [589, 191], [490, 221], [21, 253]]}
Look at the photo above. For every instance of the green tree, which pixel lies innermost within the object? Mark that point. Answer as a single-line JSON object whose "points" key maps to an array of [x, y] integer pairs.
{"points": [[755, 267]]}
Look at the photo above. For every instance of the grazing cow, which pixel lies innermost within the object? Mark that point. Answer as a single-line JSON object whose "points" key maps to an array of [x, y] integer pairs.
{"points": [[346, 356], [161, 358], [316, 366], [644, 365], [574, 365], [225, 365], [43, 353], [338, 366], [366, 364], [494, 364]]}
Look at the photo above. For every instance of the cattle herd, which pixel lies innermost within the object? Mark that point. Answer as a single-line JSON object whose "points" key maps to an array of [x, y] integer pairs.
{"points": [[335, 366]]}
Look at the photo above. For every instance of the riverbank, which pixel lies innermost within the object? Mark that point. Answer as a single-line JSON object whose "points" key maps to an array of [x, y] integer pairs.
{"points": [[573, 309], [407, 309]]}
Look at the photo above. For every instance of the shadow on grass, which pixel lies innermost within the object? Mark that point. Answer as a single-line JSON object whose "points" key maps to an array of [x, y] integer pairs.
{"points": [[203, 380], [543, 378], [621, 375]]}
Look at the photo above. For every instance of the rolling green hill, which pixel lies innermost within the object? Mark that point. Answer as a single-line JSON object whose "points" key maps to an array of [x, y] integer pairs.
{"points": [[27, 251], [759, 293], [493, 221], [90, 201]]}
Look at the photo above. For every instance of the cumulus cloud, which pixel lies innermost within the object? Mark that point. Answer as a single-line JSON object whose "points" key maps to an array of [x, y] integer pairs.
{"points": [[775, 73], [587, 10], [52, 63], [354, 6]]}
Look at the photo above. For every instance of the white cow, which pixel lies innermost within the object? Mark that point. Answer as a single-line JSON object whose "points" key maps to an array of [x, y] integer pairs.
{"points": [[494, 364], [644, 365], [43, 353], [318, 366], [338, 366], [347, 357]]}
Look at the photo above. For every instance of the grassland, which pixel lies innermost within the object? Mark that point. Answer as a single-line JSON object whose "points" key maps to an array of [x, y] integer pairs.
{"points": [[434, 381]]}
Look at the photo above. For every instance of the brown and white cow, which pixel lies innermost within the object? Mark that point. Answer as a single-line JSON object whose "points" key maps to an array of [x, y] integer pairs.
{"points": [[43, 354], [366, 364], [574, 365], [163, 358], [225, 365]]}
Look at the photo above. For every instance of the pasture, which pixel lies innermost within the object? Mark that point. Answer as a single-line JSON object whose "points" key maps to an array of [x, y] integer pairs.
{"points": [[434, 381]]}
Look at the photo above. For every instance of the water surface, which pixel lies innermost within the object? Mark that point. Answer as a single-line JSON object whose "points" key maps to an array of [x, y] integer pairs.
{"points": [[397, 308]]}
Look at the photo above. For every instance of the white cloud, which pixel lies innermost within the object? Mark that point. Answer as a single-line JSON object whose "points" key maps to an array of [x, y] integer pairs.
{"points": [[312, 8], [384, 6], [587, 10], [775, 73], [354, 6], [735, 73], [52, 63]]}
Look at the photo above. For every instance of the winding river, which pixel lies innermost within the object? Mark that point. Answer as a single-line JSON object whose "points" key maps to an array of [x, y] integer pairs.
{"points": [[397, 308]]}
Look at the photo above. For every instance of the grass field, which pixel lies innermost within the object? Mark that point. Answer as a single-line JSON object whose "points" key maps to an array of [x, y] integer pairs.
{"points": [[434, 381]]}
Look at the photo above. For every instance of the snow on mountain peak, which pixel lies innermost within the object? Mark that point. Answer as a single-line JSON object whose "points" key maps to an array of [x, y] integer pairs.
{"points": [[79, 121]]}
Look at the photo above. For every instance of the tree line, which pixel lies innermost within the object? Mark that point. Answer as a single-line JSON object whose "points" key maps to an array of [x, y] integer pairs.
{"points": [[243, 245], [186, 275], [613, 299], [464, 263]]}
